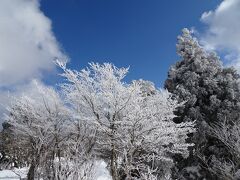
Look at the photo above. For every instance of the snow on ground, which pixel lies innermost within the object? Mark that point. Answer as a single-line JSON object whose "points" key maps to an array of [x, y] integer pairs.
{"points": [[14, 174], [101, 173]]}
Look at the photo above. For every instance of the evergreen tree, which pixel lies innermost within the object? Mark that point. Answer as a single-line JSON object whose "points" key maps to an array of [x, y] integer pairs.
{"points": [[211, 95], [12, 153]]}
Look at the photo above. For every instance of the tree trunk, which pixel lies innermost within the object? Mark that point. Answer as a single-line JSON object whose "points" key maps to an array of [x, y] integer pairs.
{"points": [[33, 166], [31, 172], [113, 164]]}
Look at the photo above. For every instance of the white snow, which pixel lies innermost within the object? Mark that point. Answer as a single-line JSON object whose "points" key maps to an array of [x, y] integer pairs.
{"points": [[14, 174], [102, 172]]}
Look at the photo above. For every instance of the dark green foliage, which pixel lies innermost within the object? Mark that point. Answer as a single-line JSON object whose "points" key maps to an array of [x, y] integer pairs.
{"points": [[13, 152]]}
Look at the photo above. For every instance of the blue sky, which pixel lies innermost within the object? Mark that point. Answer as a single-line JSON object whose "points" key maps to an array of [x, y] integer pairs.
{"points": [[137, 33]]}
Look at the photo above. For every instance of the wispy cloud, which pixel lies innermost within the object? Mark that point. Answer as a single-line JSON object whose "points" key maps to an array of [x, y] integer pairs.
{"points": [[223, 30]]}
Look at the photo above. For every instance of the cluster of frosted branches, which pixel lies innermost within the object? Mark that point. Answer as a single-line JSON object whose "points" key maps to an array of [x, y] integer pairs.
{"points": [[128, 125], [229, 136], [43, 124], [135, 129]]}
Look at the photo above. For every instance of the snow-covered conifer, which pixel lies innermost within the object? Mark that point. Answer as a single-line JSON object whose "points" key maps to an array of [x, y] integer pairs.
{"points": [[211, 93]]}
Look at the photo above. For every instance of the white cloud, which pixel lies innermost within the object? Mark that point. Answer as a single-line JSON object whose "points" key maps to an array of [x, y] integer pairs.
{"points": [[27, 43], [27, 47], [223, 30]]}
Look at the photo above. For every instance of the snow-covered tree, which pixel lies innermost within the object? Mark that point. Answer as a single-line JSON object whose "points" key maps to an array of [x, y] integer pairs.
{"points": [[77, 160], [226, 167], [135, 133], [211, 93], [147, 87], [38, 120]]}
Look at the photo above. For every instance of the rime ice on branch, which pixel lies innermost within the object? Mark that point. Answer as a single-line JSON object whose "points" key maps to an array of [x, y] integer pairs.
{"points": [[133, 127]]}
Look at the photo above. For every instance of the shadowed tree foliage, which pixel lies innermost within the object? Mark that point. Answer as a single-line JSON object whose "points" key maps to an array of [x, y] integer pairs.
{"points": [[13, 153], [211, 95]]}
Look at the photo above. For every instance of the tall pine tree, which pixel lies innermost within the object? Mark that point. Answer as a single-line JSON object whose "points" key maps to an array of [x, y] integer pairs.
{"points": [[211, 95]]}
